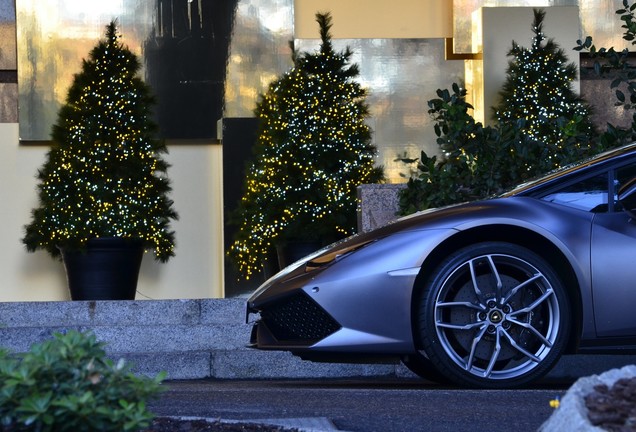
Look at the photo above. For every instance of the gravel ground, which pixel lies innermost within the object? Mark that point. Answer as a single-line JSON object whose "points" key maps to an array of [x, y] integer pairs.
{"points": [[167, 424]]}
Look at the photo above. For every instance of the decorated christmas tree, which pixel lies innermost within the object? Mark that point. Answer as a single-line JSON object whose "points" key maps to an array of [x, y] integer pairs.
{"points": [[104, 175], [312, 151], [538, 96]]}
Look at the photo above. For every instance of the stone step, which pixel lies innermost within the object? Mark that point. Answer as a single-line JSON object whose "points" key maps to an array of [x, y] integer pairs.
{"points": [[205, 338], [188, 339]]}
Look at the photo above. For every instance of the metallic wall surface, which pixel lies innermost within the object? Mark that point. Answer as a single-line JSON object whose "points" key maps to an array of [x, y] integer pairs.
{"points": [[182, 45], [8, 64], [259, 52], [53, 38], [400, 74], [598, 19]]}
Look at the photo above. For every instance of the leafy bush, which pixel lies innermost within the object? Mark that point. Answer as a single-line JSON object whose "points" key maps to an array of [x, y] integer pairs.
{"points": [[480, 161], [476, 161], [67, 384]]}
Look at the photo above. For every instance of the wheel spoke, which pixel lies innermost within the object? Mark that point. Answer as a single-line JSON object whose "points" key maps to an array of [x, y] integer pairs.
{"points": [[468, 326], [495, 354], [473, 276], [516, 289], [534, 304], [495, 272], [519, 348], [473, 347], [529, 326], [470, 305]]}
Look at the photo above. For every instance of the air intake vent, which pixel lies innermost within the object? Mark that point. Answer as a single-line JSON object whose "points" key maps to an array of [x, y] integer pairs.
{"points": [[298, 319]]}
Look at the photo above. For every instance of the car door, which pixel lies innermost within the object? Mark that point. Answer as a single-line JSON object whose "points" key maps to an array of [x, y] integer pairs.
{"points": [[613, 260]]}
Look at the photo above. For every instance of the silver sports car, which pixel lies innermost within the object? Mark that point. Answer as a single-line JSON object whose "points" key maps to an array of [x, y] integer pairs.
{"points": [[486, 294]]}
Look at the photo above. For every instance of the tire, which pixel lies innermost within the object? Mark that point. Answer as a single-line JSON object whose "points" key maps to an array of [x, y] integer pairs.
{"points": [[422, 367], [494, 315]]}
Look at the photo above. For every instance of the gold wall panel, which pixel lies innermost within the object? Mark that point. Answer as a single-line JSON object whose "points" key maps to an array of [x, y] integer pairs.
{"points": [[377, 19]]}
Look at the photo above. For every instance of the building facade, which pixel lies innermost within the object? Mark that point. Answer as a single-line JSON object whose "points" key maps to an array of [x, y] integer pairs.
{"points": [[210, 60]]}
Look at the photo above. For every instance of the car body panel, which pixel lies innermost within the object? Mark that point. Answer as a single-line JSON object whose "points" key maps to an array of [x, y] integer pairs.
{"points": [[361, 286], [370, 289], [366, 286], [614, 255]]}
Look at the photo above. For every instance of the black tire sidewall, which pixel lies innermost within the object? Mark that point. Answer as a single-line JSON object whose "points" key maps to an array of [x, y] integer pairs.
{"points": [[422, 367]]}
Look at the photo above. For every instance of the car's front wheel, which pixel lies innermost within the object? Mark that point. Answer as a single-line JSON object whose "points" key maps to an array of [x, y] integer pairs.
{"points": [[493, 315]]}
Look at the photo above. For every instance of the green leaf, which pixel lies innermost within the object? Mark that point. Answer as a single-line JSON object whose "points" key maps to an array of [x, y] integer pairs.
{"points": [[620, 96]]}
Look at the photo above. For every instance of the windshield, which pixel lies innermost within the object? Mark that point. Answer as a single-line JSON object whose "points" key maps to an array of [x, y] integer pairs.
{"points": [[546, 178]]}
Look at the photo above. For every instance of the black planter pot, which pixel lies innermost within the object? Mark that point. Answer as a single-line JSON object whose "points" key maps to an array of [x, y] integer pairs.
{"points": [[107, 270], [289, 253]]}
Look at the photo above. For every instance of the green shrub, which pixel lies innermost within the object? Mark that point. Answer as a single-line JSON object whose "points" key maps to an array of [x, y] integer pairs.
{"points": [[480, 161], [476, 161], [67, 384]]}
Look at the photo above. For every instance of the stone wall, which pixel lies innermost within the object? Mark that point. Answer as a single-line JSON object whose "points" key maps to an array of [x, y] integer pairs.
{"points": [[187, 339], [379, 204]]}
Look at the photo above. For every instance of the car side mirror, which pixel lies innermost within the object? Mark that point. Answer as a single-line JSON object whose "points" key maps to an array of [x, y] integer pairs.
{"points": [[627, 197]]}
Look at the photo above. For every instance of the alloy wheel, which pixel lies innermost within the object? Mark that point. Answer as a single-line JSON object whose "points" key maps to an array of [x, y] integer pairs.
{"points": [[497, 317]]}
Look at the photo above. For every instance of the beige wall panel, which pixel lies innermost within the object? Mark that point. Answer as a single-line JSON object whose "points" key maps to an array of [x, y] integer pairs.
{"points": [[376, 19]]}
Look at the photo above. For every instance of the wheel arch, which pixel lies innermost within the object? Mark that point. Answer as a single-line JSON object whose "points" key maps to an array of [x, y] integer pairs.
{"points": [[510, 234]]}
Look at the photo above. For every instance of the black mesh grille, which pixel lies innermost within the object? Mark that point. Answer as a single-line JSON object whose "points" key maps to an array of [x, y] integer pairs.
{"points": [[298, 319]]}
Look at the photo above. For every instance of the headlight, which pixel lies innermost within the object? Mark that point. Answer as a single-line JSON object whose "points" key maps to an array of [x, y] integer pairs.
{"points": [[333, 255]]}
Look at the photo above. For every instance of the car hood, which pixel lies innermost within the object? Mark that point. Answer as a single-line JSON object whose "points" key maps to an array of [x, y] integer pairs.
{"points": [[520, 211]]}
